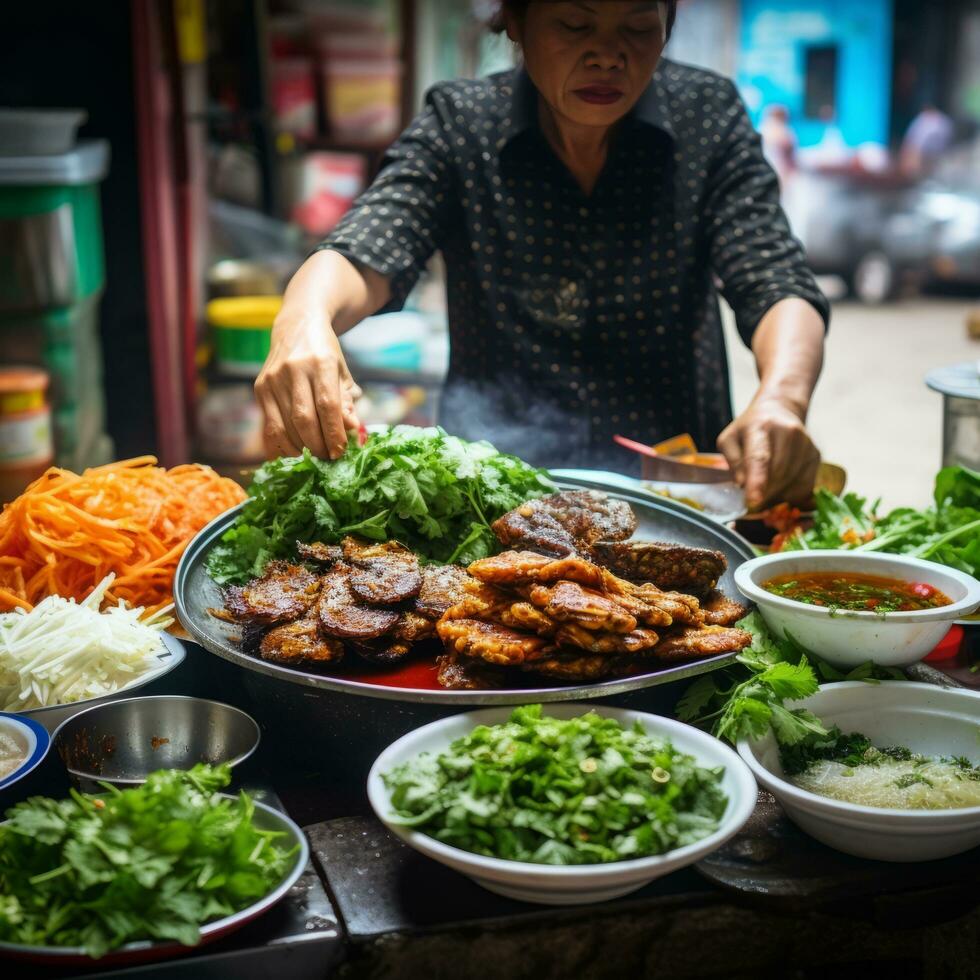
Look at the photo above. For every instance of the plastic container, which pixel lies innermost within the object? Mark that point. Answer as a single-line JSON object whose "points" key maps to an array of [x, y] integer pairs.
{"points": [[229, 424], [362, 98], [26, 449], [37, 132], [294, 95], [242, 330]]}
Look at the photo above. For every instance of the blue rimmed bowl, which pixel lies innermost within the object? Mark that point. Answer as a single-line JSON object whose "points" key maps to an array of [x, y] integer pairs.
{"points": [[31, 737]]}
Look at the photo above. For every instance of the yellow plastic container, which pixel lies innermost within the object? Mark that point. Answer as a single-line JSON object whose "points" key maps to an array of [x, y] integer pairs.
{"points": [[241, 327]]}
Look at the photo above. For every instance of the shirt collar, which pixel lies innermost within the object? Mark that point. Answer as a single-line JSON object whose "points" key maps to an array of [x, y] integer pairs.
{"points": [[520, 107]]}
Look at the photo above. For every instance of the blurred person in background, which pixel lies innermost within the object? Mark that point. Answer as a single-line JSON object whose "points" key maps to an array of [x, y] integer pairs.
{"points": [[779, 142], [584, 204], [929, 136]]}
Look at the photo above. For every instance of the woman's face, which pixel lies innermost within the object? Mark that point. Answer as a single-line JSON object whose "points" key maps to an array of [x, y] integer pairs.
{"points": [[591, 59]]}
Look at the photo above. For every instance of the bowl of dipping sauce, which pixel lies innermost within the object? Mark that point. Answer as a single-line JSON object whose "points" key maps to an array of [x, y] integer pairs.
{"points": [[23, 745], [851, 607]]}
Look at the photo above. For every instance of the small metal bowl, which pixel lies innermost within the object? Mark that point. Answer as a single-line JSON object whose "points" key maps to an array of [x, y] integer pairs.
{"points": [[122, 742]]}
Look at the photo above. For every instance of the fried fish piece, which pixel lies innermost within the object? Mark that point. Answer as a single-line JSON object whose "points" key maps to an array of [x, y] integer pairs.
{"points": [[662, 608], [569, 602], [491, 642], [284, 592], [479, 601], [566, 523], [300, 642], [442, 587], [701, 641], [719, 610], [607, 644], [459, 673], [382, 573], [671, 567], [342, 616], [317, 551]]}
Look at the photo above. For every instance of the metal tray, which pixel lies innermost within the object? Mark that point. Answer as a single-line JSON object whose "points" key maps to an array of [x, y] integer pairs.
{"points": [[664, 520]]}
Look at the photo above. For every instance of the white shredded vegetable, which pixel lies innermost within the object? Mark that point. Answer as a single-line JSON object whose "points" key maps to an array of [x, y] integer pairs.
{"points": [[62, 651]]}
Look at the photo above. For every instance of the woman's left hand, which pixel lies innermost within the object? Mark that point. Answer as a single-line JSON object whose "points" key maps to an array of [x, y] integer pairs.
{"points": [[771, 453]]}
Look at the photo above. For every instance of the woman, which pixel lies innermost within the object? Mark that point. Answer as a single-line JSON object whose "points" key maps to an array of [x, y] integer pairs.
{"points": [[584, 204]]}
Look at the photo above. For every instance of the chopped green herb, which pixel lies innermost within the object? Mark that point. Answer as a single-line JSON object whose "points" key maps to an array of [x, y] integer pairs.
{"points": [[549, 791], [154, 862]]}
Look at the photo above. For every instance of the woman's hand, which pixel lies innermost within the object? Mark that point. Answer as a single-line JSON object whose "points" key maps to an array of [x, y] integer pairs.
{"points": [[305, 389], [771, 454]]}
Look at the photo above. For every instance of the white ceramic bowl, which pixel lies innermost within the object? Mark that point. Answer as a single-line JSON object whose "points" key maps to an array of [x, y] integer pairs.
{"points": [[33, 740], [566, 885], [927, 719], [849, 639]]}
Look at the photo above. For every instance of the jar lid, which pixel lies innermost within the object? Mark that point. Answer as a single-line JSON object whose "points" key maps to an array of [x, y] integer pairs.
{"points": [[244, 312], [957, 381], [17, 379]]}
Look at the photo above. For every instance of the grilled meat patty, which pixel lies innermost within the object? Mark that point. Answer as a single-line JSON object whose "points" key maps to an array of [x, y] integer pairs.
{"points": [[566, 523], [382, 573], [702, 641], [300, 642], [671, 567], [459, 673], [317, 551], [343, 617], [442, 586], [719, 610], [283, 593], [491, 642]]}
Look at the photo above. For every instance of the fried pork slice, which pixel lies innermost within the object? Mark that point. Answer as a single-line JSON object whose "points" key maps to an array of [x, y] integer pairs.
{"points": [[516, 568], [704, 641], [341, 615], [284, 592], [650, 614], [566, 523], [671, 567], [663, 608], [382, 573], [459, 673], [317, 551], [719, 610], [509, 568], [479, 601], [605, 643], [385, 650], [525, 616], [569, 602], [442, 587], [491, 642], [300, 642]]}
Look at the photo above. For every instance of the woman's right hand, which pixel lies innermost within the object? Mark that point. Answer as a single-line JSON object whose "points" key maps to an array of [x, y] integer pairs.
{"points": [[305, 389]]}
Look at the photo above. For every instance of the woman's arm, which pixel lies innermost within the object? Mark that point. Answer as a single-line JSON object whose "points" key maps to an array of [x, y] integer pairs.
{"points": [[768, 446], [305, 389], [369, 262], [780, 313]]}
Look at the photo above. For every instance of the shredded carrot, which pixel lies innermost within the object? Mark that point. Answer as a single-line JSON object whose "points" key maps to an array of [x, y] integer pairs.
{"points": [[67, 531]]}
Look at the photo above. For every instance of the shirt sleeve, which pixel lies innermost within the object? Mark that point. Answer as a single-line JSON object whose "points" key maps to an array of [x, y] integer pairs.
{"points": [[751, 247], [401, 219]]}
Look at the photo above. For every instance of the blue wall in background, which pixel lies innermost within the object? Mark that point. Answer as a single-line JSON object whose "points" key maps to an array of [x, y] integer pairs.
{"points": [[775, 36]]}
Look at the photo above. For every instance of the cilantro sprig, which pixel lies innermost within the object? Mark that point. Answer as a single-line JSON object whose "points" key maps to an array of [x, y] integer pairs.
{"points": [[435, 493], [746, 701], [153, 862]]}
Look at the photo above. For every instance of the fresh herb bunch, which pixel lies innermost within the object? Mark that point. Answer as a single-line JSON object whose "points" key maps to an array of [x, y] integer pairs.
{"points": [[154, 862], [948, 532], [745, 702], [549, 791], [437, 494]]}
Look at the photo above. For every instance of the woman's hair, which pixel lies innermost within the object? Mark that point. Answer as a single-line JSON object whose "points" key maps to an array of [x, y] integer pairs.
{"points": [[498, 25]]}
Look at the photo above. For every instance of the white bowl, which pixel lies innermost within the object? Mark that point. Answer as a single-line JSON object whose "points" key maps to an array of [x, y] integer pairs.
{"points": [[848, 639], [575, 884], [927, 719], [32, 738]]}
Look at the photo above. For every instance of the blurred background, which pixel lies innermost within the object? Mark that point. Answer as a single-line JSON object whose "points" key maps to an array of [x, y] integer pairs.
{"points": [[147, 229]]}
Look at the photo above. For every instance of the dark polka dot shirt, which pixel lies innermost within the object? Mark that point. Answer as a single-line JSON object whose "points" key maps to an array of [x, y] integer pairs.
{"points": [[576, 317]]}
